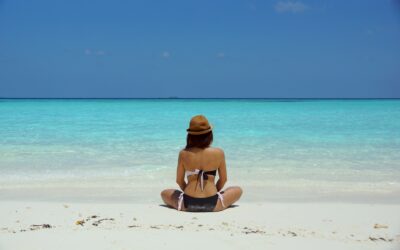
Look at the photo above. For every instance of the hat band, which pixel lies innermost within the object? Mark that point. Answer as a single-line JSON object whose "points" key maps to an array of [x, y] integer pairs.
{"points": [[199, 132]]}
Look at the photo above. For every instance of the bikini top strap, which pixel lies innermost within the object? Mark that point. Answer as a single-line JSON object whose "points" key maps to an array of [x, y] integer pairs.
{"points": [[189, 173], [201, 176]]}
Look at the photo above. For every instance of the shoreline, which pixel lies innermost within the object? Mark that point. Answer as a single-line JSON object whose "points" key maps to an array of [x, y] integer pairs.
{"points": [[151, 195], [50, 225]]}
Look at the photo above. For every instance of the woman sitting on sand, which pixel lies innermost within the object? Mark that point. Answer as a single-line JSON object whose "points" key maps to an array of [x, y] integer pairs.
{"points": [[200, 162]]}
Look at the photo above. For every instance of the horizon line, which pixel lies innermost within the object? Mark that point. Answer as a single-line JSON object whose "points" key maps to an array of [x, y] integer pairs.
{"points": [[174, 98]]}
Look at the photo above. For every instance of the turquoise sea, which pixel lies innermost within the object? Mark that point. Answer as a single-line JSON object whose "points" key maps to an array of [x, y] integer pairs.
{"points": [[275, 148]]}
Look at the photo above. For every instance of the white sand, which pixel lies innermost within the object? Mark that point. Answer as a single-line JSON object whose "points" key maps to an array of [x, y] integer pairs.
{"points": [[248, 226]]}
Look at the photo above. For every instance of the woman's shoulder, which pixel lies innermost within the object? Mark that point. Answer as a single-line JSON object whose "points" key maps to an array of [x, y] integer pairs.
{"points": [[215, 150]]}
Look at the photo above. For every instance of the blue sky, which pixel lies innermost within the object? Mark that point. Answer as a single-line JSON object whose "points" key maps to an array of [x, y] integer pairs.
{"points": [[224, 48]]}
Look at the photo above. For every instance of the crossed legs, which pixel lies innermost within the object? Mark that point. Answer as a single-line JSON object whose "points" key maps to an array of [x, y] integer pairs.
{"points": [[231, 195]]}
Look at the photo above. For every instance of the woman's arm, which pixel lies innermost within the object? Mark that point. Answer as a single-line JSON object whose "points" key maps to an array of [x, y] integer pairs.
{"points": [[222, 173], [180, 172]]}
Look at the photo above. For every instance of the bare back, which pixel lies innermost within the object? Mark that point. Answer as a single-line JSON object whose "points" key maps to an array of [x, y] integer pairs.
{"points": [[208, 159]]}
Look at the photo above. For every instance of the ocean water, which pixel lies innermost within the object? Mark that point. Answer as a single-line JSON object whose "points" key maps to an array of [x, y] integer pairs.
{"points": [[274, 148]]}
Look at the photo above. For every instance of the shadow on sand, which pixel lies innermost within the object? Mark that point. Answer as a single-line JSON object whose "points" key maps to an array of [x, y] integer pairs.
{"points": [[166, 206]]}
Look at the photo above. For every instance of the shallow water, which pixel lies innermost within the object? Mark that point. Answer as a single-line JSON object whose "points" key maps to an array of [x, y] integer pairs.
{"points": [[323, 146]]}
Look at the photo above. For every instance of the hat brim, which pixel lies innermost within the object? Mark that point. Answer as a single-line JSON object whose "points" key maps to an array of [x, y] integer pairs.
{"points": [[200, 132]]}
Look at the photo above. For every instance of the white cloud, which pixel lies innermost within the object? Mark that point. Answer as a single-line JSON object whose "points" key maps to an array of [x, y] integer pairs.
{"points": [[220, 55], [369, 32], [372, 30], [165, 54], [289, 6], [90, 52]]}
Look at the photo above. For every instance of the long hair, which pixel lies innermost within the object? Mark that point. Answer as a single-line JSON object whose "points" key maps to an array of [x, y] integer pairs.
{"points": [[199, 141]]}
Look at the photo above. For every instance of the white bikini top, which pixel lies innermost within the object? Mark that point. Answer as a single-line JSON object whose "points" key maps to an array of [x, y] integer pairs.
{"points": [[201, 175]]}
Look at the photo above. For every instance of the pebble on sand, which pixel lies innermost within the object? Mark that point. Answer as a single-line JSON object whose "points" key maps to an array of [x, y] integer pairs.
{"points": [[79, 222], [379, 226]]}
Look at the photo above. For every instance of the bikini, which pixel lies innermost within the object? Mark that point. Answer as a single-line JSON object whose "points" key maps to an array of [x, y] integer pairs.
{"points": [[194, 204]]}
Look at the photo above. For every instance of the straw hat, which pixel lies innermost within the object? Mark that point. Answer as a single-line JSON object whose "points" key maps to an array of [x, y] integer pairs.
{"points": [[199, 125]]}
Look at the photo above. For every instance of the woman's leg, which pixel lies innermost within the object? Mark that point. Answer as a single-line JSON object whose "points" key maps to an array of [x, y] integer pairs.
{"points": [[231, 195], [171, 197]]}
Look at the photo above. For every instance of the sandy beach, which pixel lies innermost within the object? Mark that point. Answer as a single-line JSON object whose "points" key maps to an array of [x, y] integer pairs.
{"points": [[62, 225]]}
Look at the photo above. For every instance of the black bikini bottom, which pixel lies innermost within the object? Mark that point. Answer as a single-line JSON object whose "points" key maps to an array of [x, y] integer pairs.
{"points": [[193, 204]]}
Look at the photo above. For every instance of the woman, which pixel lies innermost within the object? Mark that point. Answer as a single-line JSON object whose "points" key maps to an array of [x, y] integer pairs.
{"points": [[200, 162]]}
